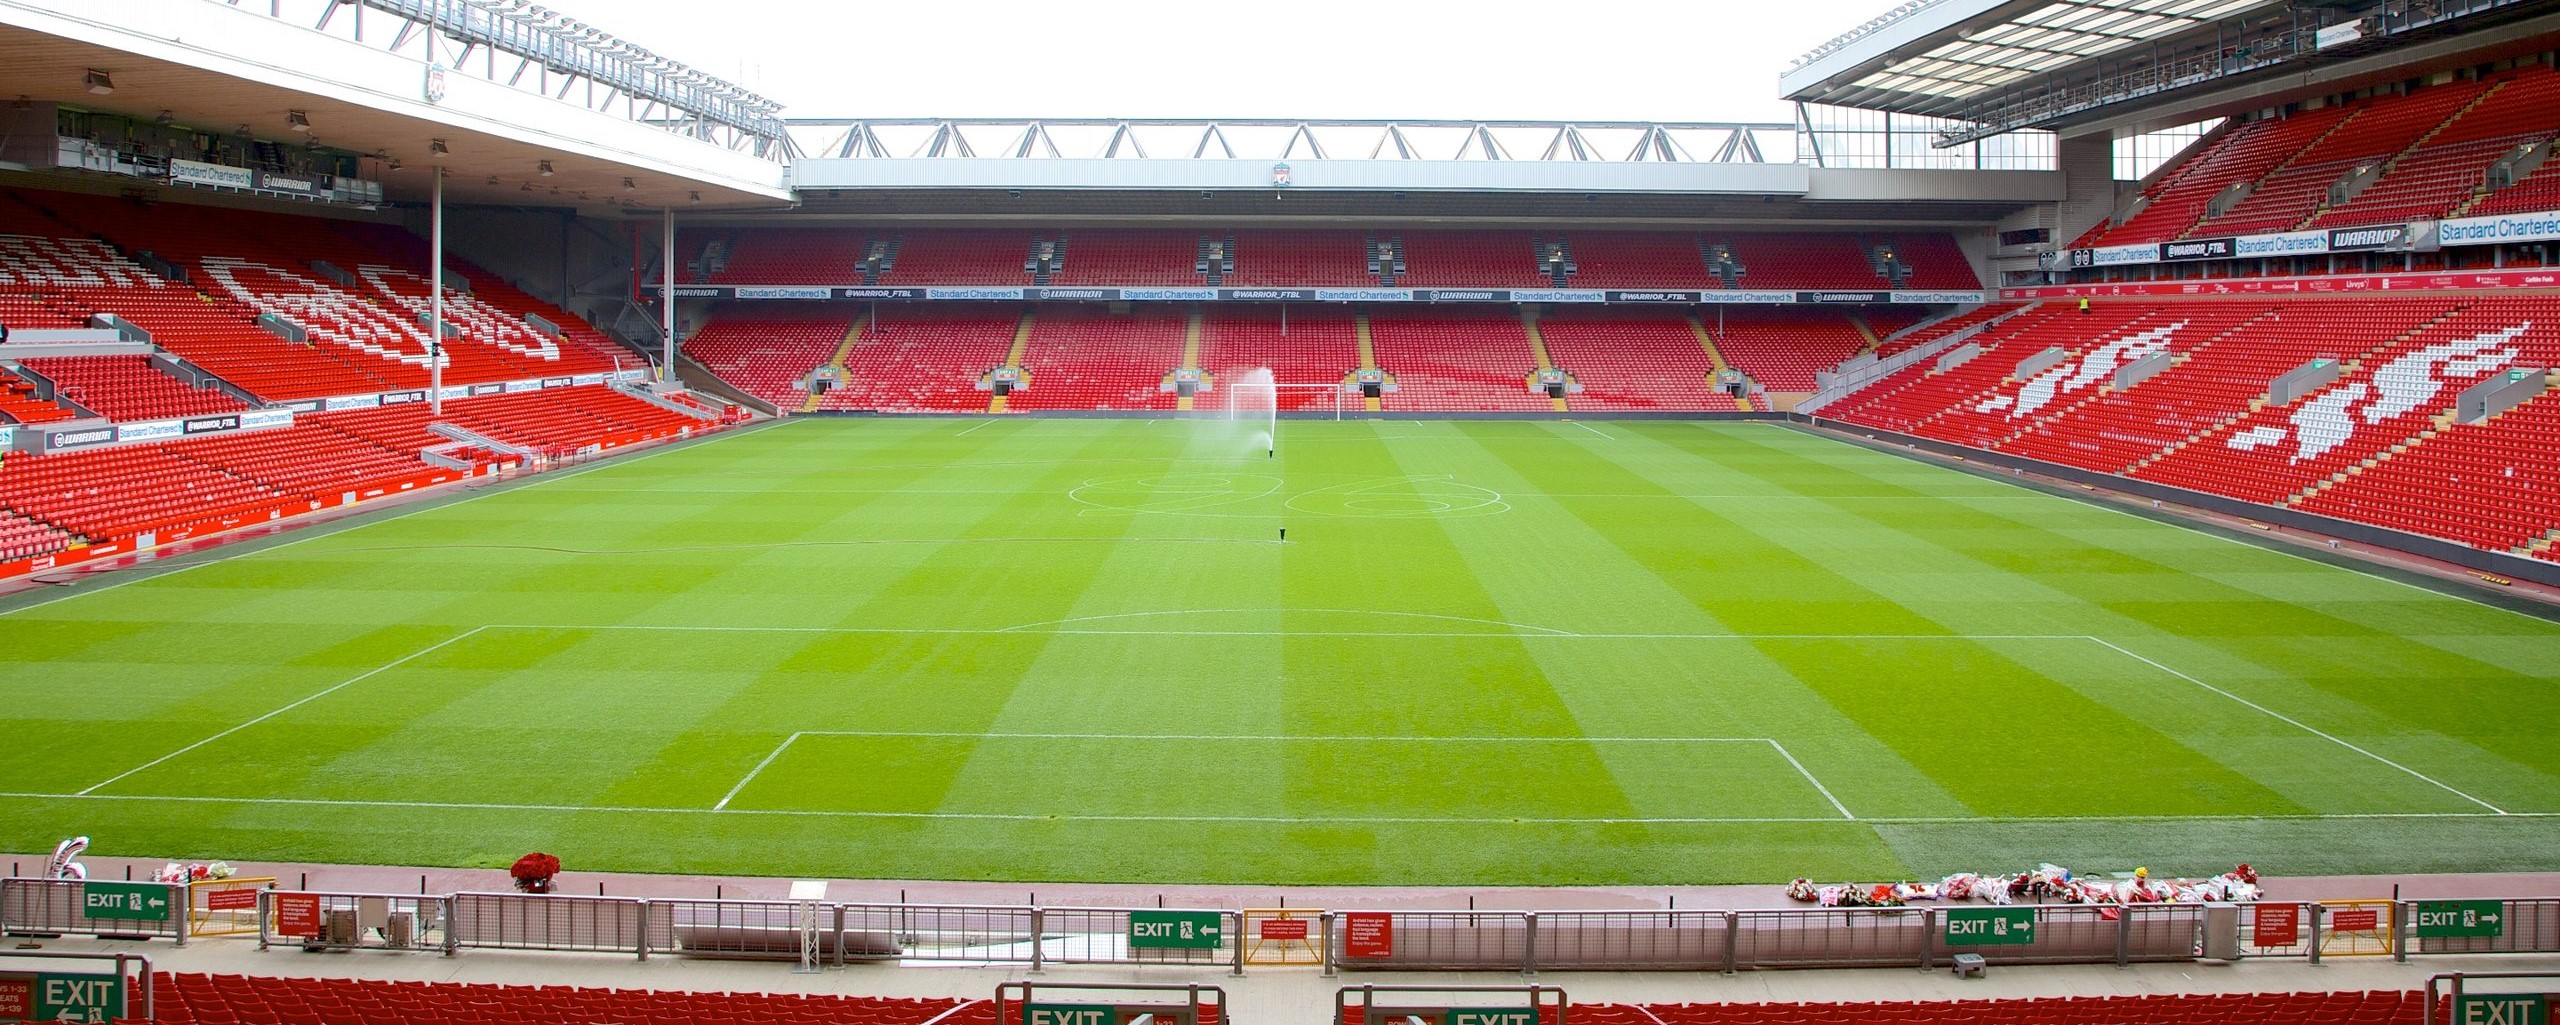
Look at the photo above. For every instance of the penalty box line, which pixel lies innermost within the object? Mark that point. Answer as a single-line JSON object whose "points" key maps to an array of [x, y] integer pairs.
{"points": [[1773, 743]]}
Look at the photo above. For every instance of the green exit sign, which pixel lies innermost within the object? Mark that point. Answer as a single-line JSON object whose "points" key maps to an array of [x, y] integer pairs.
{"points": [[58, 997], [2454, 919], [1179, 930], [1491, 1016], [138, 902], [1990, 927], [2503, 1009], [1068, 1014]]}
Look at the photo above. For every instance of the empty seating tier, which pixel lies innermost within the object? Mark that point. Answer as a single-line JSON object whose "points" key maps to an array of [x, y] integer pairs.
{"points": [[130, 388]]}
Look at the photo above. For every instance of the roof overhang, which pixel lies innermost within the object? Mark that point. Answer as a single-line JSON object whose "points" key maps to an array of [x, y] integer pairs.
{"points": [[217, 67], [1934, 57]]}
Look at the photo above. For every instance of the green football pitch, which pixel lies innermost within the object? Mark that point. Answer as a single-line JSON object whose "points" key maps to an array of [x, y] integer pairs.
{"points": [[1486, 653]]}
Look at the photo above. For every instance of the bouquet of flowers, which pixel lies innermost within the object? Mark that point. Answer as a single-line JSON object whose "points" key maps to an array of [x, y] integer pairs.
{"points": [[533, 872]]}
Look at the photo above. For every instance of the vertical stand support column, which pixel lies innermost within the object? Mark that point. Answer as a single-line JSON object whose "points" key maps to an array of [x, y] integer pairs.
{"points": [[435, 292]]}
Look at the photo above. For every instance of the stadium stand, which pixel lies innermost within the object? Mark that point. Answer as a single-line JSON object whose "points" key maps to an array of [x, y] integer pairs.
{"points": [[2450, 165], [1633, 361], [259, 1000], [1129, 258], [1322, 346], [1080, 358], [1274, 258], [2178, 197], [1628, 259], [1456, 360], [2491, 485], [2289, 196], [961, 257], [1802, 261], [1781, 348], [1470, 259], [925, 360], [19, 404], [809, 256], [130, 388], [766, 351]]}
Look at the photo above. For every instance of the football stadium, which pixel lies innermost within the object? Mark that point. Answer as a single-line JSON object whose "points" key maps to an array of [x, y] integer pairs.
{"points": [[501, 526]]}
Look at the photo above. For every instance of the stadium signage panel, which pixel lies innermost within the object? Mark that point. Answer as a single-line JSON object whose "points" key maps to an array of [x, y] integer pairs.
{"points": [[586, 379], [1332, 295], [1844, 297], [1990, 927], [337, 402], [973, 293], [1074, 294], [1756, 298], [2290, 243], [260, 419], [149, 430], [402, 398], [2356, 920], [58, 441], [1363, 295], [1281, 929], [1491, 1016], [1177, 930], [555, 382], [491, 388], [1369, 934], [526, 385], [197, 172], [1183, 295], [2118, 256], [1291, 295], [2199, 249], [1462, 295], [2277, 925], [2356, 240], [785, 292], [1652, 297], [1559, 295], [293, 184], [455, 391], [695, 291], [2541, 227], [8, 438], [2542, 277], [873, 293], [209, 424], [1936, 298], [297, 914], [2449, 919]]}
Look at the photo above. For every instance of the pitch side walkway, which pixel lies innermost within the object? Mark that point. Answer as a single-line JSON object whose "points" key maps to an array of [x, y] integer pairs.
{"points": [[1273, 994]]}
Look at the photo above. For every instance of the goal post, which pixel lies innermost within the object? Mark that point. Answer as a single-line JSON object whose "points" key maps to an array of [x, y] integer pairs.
{"points": [[1332, 397]]}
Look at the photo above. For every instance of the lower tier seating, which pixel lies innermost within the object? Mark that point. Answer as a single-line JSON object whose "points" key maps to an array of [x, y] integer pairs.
{"points": [[1081, 358], [766, 353], [1320, 345], [1456, 360], [255, 1000], [1640, 361], [925, 360], [2348, 1007], [1782, 348]]}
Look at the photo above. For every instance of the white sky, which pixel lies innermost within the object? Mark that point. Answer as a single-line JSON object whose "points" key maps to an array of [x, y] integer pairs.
{"points": [[1598, 60]]}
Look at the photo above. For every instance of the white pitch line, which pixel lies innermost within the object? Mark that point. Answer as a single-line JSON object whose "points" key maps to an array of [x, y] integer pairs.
{"points": [[1594, 430], [368, 674], [2303, 726], [1809, 778], [1292, 819], [1272, 737], [752, 773], [965, 434], [1501, 635]]}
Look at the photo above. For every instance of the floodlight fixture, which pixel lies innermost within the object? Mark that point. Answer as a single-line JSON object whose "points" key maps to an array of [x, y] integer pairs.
{"points": [[546, 169], [298, 121], [98, 81], [437, 149]]}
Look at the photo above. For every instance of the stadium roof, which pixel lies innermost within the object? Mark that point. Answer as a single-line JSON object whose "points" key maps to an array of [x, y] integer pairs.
{"points": [[1932, 57]]}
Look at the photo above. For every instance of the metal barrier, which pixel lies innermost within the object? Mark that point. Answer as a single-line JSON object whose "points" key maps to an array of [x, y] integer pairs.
{"points": [[1464, 940], [1623, 940], [1124, 936], [1038, 1003], [756, 929], [223, 907], [2094, 934], [81, 1006], [2280, 929], [1536, 1005], [984, 934], [1829, 937], [58, 907], [352, 921], [1284, 936], [545, 921], [2358, 928], [2513, 925]]}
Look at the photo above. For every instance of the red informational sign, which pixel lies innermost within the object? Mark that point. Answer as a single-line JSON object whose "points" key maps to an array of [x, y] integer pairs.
{"points": [[2359, 920], [2279, 925], [239, 899], [1283, 928], [1369, 934], [17, 997], [297, 914]]}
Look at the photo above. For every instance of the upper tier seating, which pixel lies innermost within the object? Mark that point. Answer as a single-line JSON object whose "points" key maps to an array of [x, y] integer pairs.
{"points": [[1631, 259], [1936, 262], [1781, 348], [2379, 128], [794, 256], [1161, 258], [2453, 164], [1633, 360], [1274, 258], [191, 999], [130, 388], [1084, 358], [961, 258], [925, 359], [1772, 261], [19, 404], [1470, 259], [766, 349], [2245, 153], [1321, 347], [1456, 359]]}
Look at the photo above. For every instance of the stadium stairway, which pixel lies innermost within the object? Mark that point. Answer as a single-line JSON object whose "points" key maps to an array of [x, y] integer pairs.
{"points": [[1538, 348], [835, 360], [1014, 356]]}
